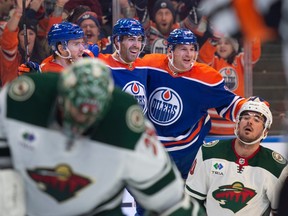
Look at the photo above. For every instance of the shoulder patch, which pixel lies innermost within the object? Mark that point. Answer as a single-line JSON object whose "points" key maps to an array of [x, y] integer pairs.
{"points": [[211, 144], [278, 158], [135, 119], [21, 88]]}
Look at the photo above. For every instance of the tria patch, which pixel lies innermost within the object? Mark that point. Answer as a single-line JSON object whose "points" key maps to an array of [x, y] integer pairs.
{"points": [[59, 182], [21, 88]]}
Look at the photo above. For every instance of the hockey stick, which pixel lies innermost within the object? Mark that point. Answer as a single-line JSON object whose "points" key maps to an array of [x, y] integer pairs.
{"points": [[27, 57]]}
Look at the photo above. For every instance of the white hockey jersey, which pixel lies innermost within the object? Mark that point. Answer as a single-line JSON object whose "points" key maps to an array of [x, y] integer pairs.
{"points": [[232, 185], [86, 176]]}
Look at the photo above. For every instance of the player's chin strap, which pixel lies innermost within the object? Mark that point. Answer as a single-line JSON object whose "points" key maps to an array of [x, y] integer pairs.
{"points": [[171, 60], [263, 136], [65, 57]]}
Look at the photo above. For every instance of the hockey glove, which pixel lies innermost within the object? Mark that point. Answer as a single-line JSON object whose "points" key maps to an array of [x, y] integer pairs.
{"points": [[29, 67], [93, 48]]}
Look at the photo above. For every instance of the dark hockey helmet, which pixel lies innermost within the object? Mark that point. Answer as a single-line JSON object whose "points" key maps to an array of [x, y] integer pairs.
{"points": [[182, 36], [128, 27], [62, 33]]}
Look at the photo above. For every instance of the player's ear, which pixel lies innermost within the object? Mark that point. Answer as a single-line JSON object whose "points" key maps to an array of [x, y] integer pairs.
{"points": [[169, 52]]}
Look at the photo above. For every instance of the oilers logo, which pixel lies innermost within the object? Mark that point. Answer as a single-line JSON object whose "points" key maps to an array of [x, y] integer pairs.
{"points": [[138, 90], [165, 106], [230, 77]]}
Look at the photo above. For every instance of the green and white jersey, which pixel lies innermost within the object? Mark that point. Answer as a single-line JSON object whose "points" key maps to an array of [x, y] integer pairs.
{"points": [[87, 176], [233, 185]]}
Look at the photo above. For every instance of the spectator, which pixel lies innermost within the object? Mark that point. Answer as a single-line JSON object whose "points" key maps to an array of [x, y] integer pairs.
{"points": [[94, 6], [14, 49], [163, 21], [88, 21], [239, 176], [225, 55], [63, 150]]}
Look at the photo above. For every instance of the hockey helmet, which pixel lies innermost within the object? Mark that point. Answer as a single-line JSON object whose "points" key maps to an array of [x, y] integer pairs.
{"points": [[62, 33], [128, 27], [86, 85], [182, 36], [256, 105]]}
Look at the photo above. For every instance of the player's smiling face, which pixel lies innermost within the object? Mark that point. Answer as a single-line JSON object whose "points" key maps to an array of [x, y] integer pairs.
{"points": [[184, 56], [130, 48]]}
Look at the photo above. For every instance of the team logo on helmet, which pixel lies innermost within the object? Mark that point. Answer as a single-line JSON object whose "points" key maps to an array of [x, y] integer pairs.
{"points": [[233, 197], [59, 182], [165, 106], [136, 89], [230, 77]]}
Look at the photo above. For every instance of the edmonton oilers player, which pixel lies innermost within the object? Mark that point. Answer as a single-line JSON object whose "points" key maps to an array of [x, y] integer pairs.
{"points": [[129, 41], [180, 92]]}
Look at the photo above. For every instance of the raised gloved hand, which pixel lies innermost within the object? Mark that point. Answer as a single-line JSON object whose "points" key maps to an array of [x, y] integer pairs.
{"points": [[92, 50], [29, 67]]}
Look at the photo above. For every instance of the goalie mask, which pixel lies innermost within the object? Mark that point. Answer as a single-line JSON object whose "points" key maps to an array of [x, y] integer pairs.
{"points": [[263, 110], [85, 90]]}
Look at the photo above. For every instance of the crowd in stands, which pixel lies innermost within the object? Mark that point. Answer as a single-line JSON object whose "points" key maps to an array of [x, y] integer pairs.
{"points": [[158, 18]]}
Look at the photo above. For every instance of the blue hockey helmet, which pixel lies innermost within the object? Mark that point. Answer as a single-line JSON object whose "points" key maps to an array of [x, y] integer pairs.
{"points": [[182, 36], [63, 32], [128, 27]]}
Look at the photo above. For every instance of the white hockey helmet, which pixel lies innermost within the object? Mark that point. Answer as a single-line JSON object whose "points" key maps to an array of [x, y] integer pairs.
{"points": [[260, 107], [255, 105]]}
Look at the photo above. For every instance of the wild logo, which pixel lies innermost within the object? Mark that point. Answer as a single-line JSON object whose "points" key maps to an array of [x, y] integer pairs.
{"points": [[59, 182], [233, 197]]}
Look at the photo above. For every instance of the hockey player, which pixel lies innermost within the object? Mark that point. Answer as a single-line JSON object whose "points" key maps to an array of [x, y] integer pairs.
{"points": [[67, 43], [129, 41], [66, 156], [239, 176], [180, 92]]}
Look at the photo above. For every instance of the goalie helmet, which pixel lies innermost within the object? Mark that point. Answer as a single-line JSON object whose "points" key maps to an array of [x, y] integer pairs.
{"points": [[62, 33], [87, 85]]}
